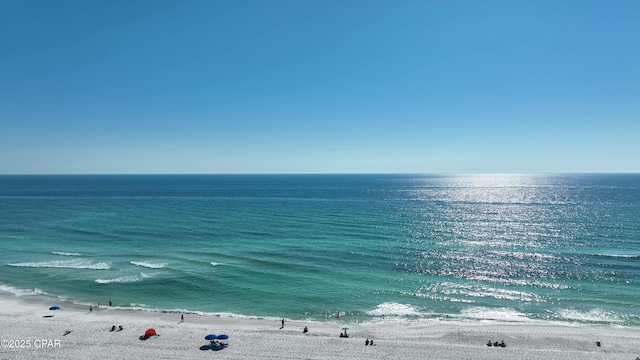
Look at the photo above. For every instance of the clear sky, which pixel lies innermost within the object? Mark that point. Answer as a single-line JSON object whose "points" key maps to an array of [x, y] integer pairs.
{"points": [[319, 86]]}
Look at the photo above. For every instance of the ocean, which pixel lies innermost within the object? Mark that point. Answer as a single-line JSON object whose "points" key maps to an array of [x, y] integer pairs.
{"points": [[344, 248]]}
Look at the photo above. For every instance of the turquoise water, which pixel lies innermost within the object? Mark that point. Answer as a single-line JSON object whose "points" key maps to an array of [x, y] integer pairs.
{"points": [[549, 248]]}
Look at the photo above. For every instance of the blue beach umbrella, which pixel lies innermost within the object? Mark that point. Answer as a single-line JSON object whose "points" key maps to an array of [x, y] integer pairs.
{"points": [[211, 337], [54, 308], [222, 337]]}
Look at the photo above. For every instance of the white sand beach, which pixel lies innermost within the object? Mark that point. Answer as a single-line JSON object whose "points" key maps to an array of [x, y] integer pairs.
{"points": [[30, 330]]}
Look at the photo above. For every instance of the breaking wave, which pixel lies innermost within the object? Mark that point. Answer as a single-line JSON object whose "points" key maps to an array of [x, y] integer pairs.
{"points": [[65, 253], [125, 279], [393, 309], [499, 314], [149, 265], [592, 316], [65, 264]]}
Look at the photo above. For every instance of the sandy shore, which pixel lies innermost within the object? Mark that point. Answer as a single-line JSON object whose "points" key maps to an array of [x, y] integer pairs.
{"points": [[29, 327]]}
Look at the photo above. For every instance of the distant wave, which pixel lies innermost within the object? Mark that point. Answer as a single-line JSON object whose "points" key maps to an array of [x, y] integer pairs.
{"points": [[65, 264], [625, 256], [65, 253], [215, 264], [481, 291], [125, 279], [149, 265]]}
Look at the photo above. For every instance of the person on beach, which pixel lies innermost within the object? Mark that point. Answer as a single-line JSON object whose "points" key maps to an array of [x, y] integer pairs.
{"points": [[182, 318], [371, 342], [282, 327], [366, 342], [90, 309], [120, 328], [304, 331], [113, 328], [109, 302]]}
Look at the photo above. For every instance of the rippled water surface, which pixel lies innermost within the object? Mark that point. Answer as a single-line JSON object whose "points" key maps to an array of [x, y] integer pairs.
{"points": [[371, 247]]}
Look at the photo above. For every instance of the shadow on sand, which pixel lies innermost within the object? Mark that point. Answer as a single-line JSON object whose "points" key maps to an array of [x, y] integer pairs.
{"points": [[215, 346]]}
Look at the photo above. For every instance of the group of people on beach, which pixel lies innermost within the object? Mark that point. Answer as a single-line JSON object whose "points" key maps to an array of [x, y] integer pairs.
{"points": [[369, 342], [98, 307], [119, 328], [497, 344]]}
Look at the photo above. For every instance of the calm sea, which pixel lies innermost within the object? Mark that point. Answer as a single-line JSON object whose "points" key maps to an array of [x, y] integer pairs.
{"points": [[525, 248]]}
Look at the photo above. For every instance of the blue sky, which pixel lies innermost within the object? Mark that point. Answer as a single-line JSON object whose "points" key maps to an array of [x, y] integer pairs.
{"points": [[319, 86]]}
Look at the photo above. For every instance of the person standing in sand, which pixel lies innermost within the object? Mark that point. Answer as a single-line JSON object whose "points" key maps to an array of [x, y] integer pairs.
{"points": [[282, 327], [182, 318]]}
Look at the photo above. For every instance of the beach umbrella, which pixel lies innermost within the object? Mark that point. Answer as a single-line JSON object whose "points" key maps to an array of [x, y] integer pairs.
{"points": [[222, 337], [211, 337], [149, 333], [54, 308]]}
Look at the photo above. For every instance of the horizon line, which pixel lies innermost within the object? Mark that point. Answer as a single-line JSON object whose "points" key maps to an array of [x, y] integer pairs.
{"points": [[331, 173]]}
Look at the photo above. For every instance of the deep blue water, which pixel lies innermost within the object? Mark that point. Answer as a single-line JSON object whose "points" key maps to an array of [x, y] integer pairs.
{"points": [[559, 248]]}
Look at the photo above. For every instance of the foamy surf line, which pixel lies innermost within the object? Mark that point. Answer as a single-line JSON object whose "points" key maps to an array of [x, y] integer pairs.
{"points": [[82, 335], [65, 264], [148, 264], [65, 253], [125, 279], [396, 312]]}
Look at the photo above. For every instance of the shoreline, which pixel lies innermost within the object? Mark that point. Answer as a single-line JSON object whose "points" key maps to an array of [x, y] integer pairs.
{"points": [[27, 319], [30, 296]]}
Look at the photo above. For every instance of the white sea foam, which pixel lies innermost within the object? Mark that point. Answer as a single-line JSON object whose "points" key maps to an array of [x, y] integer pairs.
{"points": [[125, 279], [595, 315], [215, 264], [136, 306], [393, 309], [65, 264], [500, 314], [65, 253], [149, 265], [16, 291], [624, 256]]}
